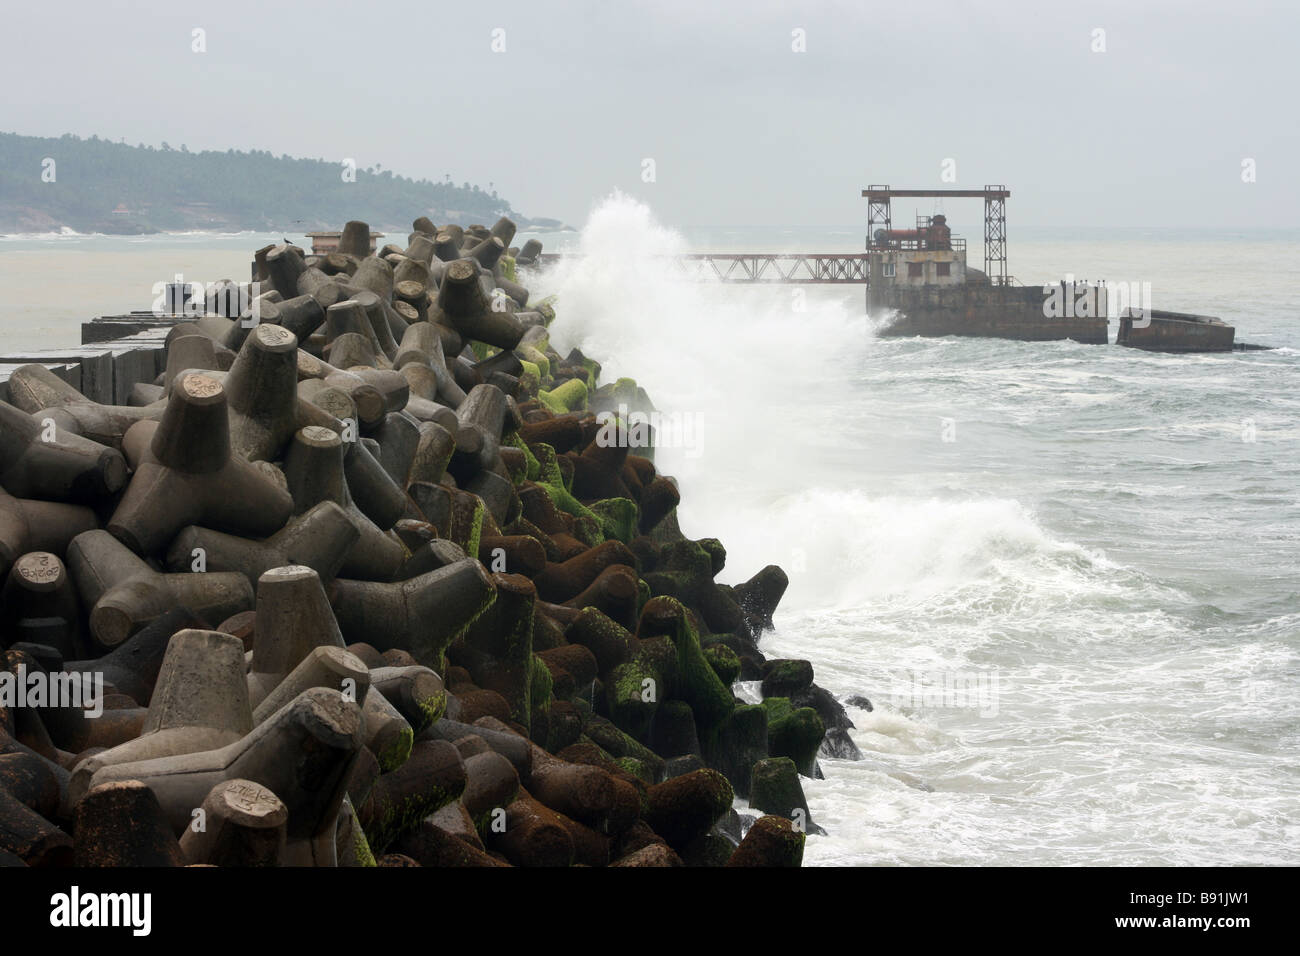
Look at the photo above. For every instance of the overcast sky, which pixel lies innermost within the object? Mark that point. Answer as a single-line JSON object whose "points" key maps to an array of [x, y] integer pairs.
{"points": [[742, 129]]}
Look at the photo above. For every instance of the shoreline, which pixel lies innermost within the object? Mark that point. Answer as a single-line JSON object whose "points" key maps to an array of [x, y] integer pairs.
{"points": [[67, 232]]}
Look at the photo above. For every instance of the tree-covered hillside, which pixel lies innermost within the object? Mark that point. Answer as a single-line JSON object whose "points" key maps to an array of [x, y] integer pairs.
{"points": [[93, 185]]}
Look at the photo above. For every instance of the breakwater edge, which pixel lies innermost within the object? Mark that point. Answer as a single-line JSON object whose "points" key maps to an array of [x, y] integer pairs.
{"points": [[376, 517]]}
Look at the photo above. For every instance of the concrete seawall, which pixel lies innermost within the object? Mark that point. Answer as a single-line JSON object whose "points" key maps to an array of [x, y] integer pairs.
{"points": [[116, 353]]}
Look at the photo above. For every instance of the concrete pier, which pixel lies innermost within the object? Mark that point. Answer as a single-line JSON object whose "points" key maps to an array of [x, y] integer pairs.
{"points": [[986, 311]]}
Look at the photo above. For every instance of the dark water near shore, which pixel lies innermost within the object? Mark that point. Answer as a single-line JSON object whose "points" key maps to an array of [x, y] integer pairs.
{"points": [[1064, 574]]}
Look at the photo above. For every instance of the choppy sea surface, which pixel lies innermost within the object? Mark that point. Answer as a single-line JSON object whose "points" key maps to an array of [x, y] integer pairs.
{"points": [[1064, 575]]}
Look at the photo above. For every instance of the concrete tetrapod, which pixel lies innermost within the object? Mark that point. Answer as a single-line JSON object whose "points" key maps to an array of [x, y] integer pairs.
{"points": [[243, 825], [303, 755], [36, 458], [776, 790], [42, 394], [39, 605], [314, 468], [379, 497], [433, 777], [105, 424], [462, 300], [319, 538], [772, 841], [498, 646], [421, 615], [261, 387], [122, 824], [124, 593], [387, 734], [188, 475], [27, 525], [133, 666], [415, 691], [200, 702], [33, 387], [324, 666], [293, 617]]}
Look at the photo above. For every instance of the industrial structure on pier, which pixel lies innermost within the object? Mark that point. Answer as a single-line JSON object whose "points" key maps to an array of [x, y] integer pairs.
{"points": [[918, 281], [921, 276]]}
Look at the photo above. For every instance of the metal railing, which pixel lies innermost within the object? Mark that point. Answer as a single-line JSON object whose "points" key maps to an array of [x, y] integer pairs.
{"points": [[794, 268]]}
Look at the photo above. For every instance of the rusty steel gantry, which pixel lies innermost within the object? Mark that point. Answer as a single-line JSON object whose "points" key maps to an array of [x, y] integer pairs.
{"points": [[995, 219]]}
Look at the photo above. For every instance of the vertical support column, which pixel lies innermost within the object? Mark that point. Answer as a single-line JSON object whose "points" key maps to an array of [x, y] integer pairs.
{"points": [[878, 212], [878, 217], [995, 234]]}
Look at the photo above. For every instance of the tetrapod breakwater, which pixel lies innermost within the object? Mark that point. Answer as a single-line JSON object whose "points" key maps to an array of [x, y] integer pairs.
{"points": [[365, 572]]}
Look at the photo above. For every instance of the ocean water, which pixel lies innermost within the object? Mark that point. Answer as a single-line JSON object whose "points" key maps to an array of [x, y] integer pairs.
{"points": [[1076, 617], [1064, 575]]}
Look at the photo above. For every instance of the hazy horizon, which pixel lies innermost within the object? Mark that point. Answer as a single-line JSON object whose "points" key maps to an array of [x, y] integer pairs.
{"points": [[742, 129]]}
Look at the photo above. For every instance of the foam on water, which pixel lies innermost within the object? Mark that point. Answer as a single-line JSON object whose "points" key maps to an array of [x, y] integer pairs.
{"points": [[1081, 557]]}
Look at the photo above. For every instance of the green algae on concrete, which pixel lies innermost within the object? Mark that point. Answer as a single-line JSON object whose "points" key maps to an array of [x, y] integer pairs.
{"points": [[716, 552], [735, 745], [632, 694], [786, 677], [608, 641], [530, 379], [636, 768], [686, 807], [551, 480], [361, 848], [541, 688], [433, 707], [772, 842], [589, 530], [441, 650], [534, 468], [546, 307], [395, 818], [724, 661], [683, 571], [775, 788], [794, 732], [619, 744], [398, 751], [498, 648], [548, 467], [533, 354], [699, 686], [568, 396], [467, 523], [592, 368], [618, 517]]}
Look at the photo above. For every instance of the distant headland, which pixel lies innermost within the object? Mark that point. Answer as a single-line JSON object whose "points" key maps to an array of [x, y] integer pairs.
{"points": [[94, 185]]}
